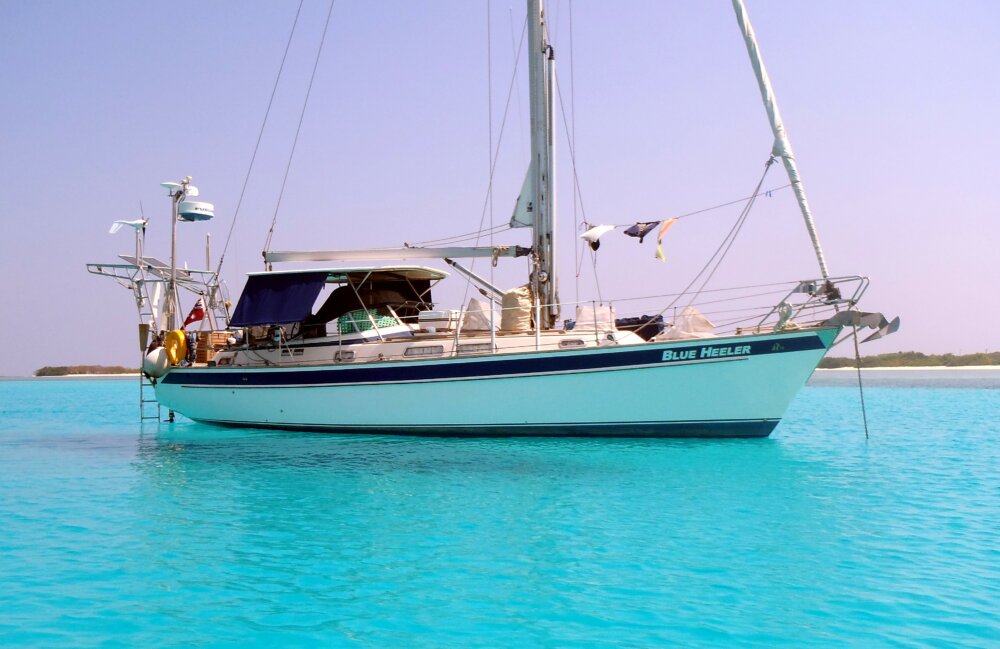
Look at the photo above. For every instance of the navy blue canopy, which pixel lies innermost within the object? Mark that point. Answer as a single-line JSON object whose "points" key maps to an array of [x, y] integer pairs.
{"points": [[278, 298]]}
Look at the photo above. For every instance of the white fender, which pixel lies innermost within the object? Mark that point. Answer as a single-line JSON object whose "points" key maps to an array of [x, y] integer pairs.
{"points": [[156, 363]]}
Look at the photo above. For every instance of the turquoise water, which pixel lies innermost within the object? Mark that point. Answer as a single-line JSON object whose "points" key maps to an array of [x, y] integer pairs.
{"points": [[114, 534]]}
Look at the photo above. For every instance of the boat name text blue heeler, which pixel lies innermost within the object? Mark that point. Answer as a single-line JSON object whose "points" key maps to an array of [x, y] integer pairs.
{"points": [[706, 352]]}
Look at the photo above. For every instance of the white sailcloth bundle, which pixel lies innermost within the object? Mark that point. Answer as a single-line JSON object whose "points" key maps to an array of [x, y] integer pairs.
{"points": [[689, 324], [517, 305], [594, 317], [477, 317]]}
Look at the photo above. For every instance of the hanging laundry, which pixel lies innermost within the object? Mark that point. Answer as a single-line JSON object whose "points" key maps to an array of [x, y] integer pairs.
{"points": [[593, 235], [641, 229], [664, 226]]}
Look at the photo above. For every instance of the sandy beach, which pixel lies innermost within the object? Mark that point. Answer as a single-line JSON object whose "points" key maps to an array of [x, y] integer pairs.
{"points": [[931, 368], [977, 376]]}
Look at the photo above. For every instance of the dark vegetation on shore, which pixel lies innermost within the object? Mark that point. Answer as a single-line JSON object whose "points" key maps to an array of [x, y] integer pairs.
{"points": [[73, 370], [915, 359]]}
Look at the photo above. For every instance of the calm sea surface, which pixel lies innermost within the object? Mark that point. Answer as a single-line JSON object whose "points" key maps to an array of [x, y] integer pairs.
{"points": [[117, 534]]}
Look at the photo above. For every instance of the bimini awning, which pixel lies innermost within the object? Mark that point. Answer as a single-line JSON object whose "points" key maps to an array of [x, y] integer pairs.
{"points": [[362, 274], [284, 297], [278, 298]]}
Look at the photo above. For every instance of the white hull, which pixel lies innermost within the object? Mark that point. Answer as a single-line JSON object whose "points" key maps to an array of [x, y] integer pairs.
{"points": [[722, 387]]}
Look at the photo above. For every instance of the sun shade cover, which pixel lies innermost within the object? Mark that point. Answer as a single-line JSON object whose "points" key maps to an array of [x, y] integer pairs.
{"points": [[277, 299]]}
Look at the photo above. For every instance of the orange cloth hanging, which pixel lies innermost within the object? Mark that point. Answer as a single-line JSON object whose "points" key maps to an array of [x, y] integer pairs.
{"points": [[659, 237]]}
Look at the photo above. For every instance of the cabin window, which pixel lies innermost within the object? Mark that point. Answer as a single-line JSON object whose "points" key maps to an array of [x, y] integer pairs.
{"points": [[575, 342], [343, 356], [425, 350], [475, 348]]}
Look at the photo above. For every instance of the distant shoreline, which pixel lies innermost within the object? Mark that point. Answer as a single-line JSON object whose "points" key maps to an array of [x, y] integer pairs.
{"points": [[96, 375], [915, 360], [911, 368], [84, 370]]}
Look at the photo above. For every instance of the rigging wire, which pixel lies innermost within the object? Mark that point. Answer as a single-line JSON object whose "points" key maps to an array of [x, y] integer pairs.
{"points": [[714, 290], [502, 227], [577, 192], [572, 149], [489, 46], [298, 128], [517, 86], [464, 237], [571, 143], [503, 124], [732, 232], [489, 160], [260, 135], [494, 153], [597, 277], [766, 192], [762, 192], [736, 229], [489, 77], [572, 137]]}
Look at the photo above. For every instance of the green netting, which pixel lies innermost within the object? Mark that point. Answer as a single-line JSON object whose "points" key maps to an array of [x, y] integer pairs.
{"points": [[357, 321]]}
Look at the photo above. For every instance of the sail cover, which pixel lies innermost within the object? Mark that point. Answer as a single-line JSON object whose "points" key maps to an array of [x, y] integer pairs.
{"points": [[277, 299]]}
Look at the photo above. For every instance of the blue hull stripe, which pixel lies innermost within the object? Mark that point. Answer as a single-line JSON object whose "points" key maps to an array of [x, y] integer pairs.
{"points": [[446, 369], [707, 429]]}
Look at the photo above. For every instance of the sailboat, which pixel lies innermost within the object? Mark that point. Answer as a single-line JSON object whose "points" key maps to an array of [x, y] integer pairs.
{"points": [[365, 349]]}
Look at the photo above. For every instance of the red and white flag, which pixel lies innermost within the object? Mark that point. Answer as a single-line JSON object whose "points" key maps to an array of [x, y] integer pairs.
{"points": [[197, 313]]}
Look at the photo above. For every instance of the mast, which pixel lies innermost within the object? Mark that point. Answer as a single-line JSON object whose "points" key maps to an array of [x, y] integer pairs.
{"points": [[782, 147], [171, 307], [541, 80]]}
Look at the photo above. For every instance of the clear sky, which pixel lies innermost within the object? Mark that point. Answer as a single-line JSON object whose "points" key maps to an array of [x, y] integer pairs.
{"points": [[893, 110]]}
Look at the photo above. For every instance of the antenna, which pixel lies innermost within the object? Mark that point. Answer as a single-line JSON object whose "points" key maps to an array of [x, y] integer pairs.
{"points": [[188, 211]]}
